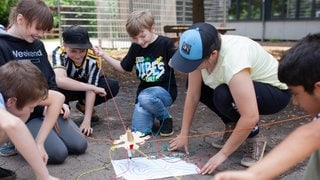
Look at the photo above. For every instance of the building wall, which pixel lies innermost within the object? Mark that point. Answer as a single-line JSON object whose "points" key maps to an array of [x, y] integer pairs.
{"points": [[275, 30], [106, 19]]}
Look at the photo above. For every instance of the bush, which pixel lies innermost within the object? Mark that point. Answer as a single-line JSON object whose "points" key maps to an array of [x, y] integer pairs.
{"points": [[5, 7]]}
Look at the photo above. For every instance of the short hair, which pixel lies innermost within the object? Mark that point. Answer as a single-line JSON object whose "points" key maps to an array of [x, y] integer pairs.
{"points": [[300, 65], [24, 81], [33, 11], [139, 20]]}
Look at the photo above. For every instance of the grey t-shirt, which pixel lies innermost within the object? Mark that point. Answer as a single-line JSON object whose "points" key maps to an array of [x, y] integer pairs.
{"points": [[312, 172]]}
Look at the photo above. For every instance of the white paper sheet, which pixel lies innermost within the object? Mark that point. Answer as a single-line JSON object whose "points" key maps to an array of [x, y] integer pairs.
{"points": [[143, 168]]}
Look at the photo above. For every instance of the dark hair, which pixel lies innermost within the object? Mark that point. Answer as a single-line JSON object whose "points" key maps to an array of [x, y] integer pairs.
{"points": [[33, 11], [300, 65], [216, 45], [23, 81]]}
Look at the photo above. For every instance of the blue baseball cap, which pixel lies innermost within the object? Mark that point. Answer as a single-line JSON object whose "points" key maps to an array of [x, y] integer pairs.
{"points": [[195, 44]]}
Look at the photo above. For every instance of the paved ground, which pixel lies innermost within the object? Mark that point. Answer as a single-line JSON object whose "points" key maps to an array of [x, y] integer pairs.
{"points": [[116, 115]]}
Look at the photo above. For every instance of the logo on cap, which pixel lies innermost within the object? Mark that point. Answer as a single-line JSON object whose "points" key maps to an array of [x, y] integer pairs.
{"points": [[186, 48]]}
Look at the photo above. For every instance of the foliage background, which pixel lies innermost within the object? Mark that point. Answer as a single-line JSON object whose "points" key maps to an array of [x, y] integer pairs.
{"points": [[6, 5]]}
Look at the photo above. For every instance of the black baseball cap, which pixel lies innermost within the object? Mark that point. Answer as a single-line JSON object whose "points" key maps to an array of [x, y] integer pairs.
{"points": [[76, 37], [195, 44]]}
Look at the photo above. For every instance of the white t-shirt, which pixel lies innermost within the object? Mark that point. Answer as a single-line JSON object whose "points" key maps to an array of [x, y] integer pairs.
{"points": [[238, 53]]}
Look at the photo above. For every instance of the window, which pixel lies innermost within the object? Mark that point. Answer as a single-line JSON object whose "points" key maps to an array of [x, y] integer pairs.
{"points": [[274, 9], [245, 10]]}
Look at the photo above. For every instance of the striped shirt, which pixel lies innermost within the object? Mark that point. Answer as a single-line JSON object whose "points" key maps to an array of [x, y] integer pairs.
{"points": [[88, 72]]}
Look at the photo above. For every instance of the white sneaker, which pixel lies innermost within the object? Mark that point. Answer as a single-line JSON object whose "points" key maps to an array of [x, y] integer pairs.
{"points": [[255, 148]]}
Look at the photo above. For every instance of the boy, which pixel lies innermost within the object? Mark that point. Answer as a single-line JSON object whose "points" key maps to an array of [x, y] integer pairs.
{"points": [[17, 101], [299, 68], [79, 77], [150, 54]]}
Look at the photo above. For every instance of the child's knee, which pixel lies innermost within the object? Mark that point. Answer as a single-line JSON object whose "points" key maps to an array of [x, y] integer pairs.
{"points": [[146, 100], [80, 148], [58, 157]]}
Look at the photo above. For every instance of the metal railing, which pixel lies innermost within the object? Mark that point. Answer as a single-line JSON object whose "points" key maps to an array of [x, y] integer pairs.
{"points": [[105, 19]]}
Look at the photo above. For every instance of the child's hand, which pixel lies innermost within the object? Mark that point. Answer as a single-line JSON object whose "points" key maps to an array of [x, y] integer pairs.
{"points": [[179, 141], [97, 50], [100, 91], [65, 111], [85, 128]]}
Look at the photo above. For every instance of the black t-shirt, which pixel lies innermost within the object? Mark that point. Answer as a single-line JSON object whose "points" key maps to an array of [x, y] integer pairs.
{"points": [[151, 64], [12, 48]]}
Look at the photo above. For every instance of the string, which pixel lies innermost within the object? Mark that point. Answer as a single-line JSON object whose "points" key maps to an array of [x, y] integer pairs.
{"points": [[154, 142]]}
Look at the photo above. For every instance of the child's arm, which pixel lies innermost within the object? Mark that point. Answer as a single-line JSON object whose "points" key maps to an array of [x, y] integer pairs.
{"points": [[113, 62], [85, 126], [54, 104], [21, 137], [300, 144], [67, 83]]}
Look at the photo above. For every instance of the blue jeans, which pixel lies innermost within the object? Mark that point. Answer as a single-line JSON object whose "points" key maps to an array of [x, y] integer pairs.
{"points": [[152, 102]]}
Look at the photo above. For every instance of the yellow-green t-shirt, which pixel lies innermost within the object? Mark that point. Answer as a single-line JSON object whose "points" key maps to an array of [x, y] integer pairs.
{"points": [[238, 53]]}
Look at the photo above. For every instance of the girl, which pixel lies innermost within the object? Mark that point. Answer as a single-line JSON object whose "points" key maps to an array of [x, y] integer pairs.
{"points": [[27, 23]]}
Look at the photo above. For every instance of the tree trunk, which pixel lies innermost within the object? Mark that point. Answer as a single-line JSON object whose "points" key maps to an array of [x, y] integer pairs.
{"points": [[197, 11]]}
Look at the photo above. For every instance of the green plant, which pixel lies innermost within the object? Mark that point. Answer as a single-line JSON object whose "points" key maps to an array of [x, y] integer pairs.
{"points": [[5, 7]]}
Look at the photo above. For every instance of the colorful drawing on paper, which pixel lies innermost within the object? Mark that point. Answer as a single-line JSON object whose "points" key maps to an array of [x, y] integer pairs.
{"points": [[144, 168]]}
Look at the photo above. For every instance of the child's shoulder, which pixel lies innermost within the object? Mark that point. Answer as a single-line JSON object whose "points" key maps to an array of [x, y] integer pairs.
{"points": [[164, 40], [91, 55], [60, 50]]}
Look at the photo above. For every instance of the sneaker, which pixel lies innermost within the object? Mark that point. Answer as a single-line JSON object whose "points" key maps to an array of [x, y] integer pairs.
{"points": [[8, 149], [166, 127], [255, 131], [82, 108], [254, 151], [145, 134], [6, 174], [222, 140]]}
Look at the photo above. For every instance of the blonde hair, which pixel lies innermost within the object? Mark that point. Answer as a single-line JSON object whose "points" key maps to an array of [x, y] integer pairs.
{"points": [[139, 20]]}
